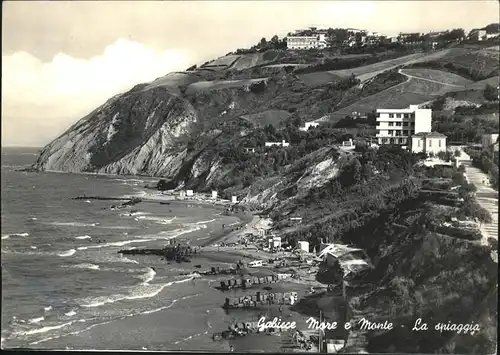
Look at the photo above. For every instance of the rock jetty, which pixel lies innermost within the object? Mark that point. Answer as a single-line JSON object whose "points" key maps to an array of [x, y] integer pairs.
{"points": [[260, 299]]}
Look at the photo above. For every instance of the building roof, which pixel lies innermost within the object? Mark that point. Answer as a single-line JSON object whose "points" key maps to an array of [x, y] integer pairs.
{"points": [[429, 135]]}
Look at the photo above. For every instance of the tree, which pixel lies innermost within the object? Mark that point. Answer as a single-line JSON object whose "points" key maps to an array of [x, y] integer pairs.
{"points": [[274, 40], [262, 43], [490, 93]]}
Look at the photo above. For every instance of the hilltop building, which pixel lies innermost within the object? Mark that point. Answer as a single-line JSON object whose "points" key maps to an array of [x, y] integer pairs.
{"points": [[428, 142], [477, 35], [316, 40], [396, 126], [308, 125], [281, 144]]}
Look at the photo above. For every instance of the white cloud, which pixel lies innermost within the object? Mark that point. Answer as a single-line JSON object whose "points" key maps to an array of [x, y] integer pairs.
{"points": [[36, 95]]}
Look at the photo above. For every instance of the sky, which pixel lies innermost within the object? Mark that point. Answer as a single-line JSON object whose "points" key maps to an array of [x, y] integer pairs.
{"points": [[62, 59]]}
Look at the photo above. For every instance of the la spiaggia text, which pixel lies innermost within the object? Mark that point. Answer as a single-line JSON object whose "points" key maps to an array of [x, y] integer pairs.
{"points": [[365, 324]]}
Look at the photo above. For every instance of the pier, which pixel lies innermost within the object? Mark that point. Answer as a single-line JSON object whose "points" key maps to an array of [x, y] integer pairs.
{"points": [[260, 299]]}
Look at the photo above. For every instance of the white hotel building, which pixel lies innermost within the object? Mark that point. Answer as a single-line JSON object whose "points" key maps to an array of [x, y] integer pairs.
{"points": [[396, 126], [306, 42]]}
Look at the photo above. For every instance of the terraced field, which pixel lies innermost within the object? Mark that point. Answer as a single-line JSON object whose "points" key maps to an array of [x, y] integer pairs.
{"points": [[172, 81], [438, 76]]}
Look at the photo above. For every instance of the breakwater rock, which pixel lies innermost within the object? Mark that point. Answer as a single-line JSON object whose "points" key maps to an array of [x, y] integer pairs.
{"points": [[179, 254]]}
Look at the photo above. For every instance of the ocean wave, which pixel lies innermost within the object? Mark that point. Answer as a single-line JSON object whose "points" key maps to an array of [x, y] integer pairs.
{"points": [[83, 266], [143, 291], [83, 237], [67, 253], [46, 329], [7, 236], [133, 214], [70, 313], [46, 309], [36, 320], [33, 247], [159, 220], [126, 260], [74, 224], [202, 222], [148, 276], [76, 332]]}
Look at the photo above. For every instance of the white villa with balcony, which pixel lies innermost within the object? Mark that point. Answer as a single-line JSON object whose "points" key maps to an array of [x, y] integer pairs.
{"points": [[396, 126]]}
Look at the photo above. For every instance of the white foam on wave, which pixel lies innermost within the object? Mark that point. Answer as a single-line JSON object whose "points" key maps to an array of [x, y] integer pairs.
{"points": [[33, 218], [70, 313], [36, 320], [145, 291], [159, 220], [133, 214], [148, 276], [83, 237], [67, 253], [46, 309], [82, 248], [7, 236], [202, 222], [84, 266], [74, 224], [126, 260], [33, 247], [107, 322], [46, 329], [88, 201]]}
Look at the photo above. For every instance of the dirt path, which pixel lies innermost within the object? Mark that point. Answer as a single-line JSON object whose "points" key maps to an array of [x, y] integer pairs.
{"points": [[400, 71]]}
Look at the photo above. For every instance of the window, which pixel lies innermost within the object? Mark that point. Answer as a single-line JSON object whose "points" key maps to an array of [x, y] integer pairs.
{"points": [[391, 132], [398, 133], [406, 115], [412, 132], [405, 133], [398, 124], [385, 140], [439, 143], [398, 115], [405, 124], [391, 124], [430, 142], [418, 142], [413, 124], [391, 115]]}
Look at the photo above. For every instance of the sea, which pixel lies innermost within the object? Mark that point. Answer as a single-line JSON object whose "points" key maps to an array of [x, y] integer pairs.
{"points": [[64, 284]]}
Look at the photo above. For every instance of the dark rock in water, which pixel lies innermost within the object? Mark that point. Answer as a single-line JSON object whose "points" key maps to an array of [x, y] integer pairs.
{"points": [[165, 185], [132, 202], [164, 203], [178, 253], [197, 266]]}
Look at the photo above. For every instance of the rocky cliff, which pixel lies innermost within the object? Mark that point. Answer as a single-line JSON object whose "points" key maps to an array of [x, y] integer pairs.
{"points": [[132, 133]]}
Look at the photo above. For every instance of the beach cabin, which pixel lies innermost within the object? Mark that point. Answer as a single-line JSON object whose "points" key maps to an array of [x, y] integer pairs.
{"points": [[182, 194], [303, 245], [256, 263], [296, 219], [189, 192], [234, 199], [214, 194]]}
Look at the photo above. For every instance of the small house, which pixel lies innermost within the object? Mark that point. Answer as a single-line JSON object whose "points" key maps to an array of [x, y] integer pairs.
{"points": [[189, 192], [428, 142], [234, 199], [249, 150], [275, 242], [296, 219], [308, 125], [303, 245], [214, 194], [182, 194], [348, 145]]}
